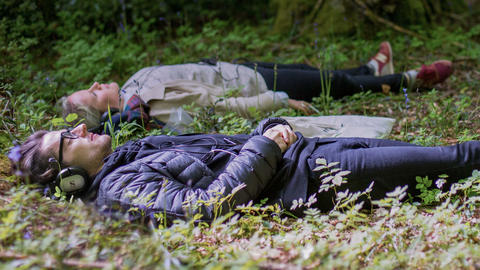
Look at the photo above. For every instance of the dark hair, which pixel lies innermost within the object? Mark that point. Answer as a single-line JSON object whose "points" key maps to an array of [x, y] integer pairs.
{"points": [[33, 163]]}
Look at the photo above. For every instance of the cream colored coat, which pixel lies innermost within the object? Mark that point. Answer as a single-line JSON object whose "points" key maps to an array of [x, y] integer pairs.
{"points": [[166, 88]]}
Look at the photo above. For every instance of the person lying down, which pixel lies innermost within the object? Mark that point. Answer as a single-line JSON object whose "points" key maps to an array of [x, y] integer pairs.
{"points": [[172, 174]]}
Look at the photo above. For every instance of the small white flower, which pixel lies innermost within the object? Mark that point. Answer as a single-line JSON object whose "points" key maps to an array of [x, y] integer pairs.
{"points": [[440, 182]]}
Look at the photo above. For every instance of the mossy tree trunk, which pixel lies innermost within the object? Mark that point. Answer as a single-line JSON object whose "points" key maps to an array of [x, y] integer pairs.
{"points": [[340, 16]]}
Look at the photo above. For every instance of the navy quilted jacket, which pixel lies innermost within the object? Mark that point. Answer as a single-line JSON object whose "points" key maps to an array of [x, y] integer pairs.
{"points": [[182, 175]]}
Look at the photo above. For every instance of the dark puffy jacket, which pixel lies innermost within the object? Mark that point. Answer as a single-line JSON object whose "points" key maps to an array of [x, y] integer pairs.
{"points": [[174, 175]]}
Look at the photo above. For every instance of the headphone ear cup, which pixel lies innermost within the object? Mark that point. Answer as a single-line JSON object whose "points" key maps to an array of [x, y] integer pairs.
{"points": [[73, 180]]}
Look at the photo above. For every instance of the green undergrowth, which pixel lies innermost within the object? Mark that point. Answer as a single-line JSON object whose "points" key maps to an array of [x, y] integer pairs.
{"points": [[437, 229], [42, 233]]}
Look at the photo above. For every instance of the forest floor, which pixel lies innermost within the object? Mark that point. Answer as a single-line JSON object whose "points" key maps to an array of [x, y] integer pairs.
{"points": [[442, 231]]}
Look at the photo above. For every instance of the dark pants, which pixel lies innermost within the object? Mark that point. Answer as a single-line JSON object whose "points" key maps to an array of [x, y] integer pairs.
{"points": [[390, 164], [304, 82]]}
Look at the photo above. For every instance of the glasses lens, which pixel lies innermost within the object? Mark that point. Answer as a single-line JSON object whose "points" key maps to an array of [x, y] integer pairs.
{"points": [[69, 135], [66, 134]]}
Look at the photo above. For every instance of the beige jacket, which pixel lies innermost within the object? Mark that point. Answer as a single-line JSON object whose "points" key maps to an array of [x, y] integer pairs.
{"points": [[165, 88]]}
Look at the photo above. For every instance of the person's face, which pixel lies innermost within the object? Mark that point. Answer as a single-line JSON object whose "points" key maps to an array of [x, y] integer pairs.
{"points": [[86, 151], [98, 96]]}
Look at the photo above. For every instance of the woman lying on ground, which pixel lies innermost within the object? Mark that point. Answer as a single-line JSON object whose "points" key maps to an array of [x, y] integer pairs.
{"points": [[166, 88], [172, 174]]}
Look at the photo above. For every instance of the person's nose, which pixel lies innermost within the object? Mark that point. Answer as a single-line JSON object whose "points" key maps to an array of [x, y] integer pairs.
{"points": [[80, 130], [94, 86]]}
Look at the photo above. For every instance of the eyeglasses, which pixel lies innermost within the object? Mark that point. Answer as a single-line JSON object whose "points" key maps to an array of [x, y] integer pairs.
{"points": [[66, 134]]}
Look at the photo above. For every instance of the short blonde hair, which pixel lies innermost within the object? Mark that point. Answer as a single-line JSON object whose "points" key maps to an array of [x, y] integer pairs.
{"points": [[90, 115]]}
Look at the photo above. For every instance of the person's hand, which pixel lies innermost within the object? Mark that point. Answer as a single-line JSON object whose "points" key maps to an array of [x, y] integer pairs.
{"points": [[282, 135], [302, 106]]}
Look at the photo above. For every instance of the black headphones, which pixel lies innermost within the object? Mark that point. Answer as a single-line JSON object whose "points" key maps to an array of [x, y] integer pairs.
{"points": [[74, 181]]}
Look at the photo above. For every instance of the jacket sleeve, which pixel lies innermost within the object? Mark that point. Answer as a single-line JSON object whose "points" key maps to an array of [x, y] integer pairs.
{"points": [[265, 102], [152, 189]]}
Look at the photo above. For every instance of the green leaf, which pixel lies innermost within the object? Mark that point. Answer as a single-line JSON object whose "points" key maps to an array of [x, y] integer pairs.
{"points": [[10, 218], [333, 164], [327, 179], [337, 180], [197, 216], [324, 174], [342, 173], [58, 122], [71, 117], [321, 161]]}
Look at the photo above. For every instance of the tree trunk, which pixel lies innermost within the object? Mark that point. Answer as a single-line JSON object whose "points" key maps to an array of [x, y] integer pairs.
{"points": [[343, 16]]}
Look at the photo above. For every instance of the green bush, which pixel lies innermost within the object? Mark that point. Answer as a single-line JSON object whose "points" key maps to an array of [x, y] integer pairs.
{"points": [[82, 62]]}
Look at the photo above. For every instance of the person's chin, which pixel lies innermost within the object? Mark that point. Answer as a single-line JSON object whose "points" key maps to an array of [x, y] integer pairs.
{"points": [[108, 146], [115, 86], [107, 139], [104, 141]]}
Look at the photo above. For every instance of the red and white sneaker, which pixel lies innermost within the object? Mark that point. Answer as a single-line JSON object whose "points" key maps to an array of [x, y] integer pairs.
{"points": [[434, 73], [383, 60]]}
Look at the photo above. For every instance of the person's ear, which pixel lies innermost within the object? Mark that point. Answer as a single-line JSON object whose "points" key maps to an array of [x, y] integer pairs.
{"points": [[74, 181]]}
